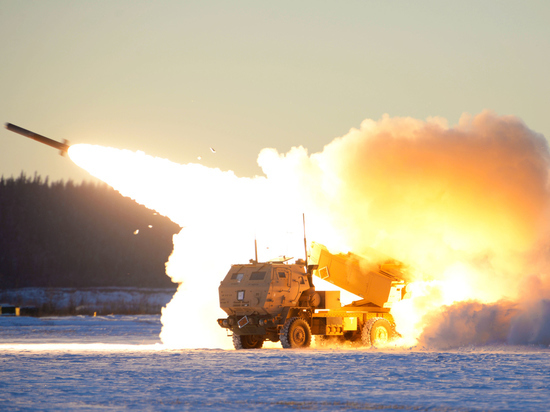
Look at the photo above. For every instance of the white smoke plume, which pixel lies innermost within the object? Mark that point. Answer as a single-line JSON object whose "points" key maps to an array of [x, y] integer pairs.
{"points": [[466, 207]]}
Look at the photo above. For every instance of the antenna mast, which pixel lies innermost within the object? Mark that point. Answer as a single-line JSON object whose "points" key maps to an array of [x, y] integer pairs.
{"points": [[256, 249], [305, 241]]}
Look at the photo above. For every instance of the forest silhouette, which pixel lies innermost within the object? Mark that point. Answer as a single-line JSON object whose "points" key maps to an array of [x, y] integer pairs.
{"points": [[62, 234]]}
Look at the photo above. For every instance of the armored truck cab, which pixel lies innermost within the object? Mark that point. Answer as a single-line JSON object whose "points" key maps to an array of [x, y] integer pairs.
{"points": [[277, 301], [256, 295], [262, 288]]}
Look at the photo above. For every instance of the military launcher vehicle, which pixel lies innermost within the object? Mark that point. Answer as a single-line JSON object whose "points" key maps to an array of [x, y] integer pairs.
{"points": [[277, 301]]}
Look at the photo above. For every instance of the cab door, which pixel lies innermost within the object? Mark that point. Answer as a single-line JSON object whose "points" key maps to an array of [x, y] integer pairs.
{"points": [[282, 278], [285, 288]]}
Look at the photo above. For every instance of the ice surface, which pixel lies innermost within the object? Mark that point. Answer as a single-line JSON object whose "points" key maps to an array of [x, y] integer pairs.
{"points": [[113, 329], [117, 362]]}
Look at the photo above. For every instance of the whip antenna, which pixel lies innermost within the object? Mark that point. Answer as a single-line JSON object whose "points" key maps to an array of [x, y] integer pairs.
{"points": [[305, 241]]}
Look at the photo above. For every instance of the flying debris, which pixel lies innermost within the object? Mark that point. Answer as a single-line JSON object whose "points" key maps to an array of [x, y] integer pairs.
{"points": [[213, 150], [62, 147]]}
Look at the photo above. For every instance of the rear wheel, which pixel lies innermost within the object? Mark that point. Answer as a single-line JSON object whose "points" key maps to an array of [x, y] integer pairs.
{"points": [[295, 334], [248, 341], [376, 332]]}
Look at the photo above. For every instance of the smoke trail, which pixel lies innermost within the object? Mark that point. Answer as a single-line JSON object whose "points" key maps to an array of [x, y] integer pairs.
{"points": [[220, 215], [464, 206]]}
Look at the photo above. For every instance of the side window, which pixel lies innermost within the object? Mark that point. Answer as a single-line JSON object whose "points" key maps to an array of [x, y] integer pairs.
{"points": [[283, 276], [237, 276], [257, 276]]}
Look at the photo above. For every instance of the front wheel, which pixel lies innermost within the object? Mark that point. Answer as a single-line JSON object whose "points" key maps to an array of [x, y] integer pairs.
{"points": [[377, 332], [248, 341], [295, 334]]}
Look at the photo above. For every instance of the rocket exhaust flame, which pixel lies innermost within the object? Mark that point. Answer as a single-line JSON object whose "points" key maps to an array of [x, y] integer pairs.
{"points": [[219, 213], [466, 206]]}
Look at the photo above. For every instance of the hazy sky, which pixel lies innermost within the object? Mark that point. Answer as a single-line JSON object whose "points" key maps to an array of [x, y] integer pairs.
{"points": [[174, 78]]}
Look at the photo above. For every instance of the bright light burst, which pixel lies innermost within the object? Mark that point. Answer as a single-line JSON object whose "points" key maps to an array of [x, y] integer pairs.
{"points": [[463, 206]]}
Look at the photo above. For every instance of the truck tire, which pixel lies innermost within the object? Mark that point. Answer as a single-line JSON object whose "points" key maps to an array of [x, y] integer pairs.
{"points": [[295, 334], [248, 341], [376, 332]]}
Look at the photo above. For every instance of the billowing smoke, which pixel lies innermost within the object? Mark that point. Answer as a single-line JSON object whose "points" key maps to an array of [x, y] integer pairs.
{"points": [[425, 193], [465, 207], [472, 323]]}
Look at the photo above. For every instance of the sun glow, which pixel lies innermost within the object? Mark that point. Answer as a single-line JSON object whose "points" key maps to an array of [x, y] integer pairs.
{"points": [[455, 283]]}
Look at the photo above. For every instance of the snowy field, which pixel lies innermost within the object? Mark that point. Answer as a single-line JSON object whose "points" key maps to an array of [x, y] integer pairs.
{"points": [[118, 362]]}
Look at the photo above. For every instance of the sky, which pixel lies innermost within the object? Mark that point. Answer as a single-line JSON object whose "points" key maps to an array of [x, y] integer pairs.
{"points": [[175, 79]]}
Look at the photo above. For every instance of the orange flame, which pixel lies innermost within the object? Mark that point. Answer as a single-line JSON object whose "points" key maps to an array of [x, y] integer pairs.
{"points": [[464, 206]]}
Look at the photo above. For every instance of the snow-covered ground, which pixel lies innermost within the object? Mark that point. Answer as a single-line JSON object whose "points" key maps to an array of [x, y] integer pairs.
{"points": [[118, 362]]}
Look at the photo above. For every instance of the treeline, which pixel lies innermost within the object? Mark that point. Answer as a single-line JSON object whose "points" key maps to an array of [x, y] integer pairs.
{"points": [[62, 234]]}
